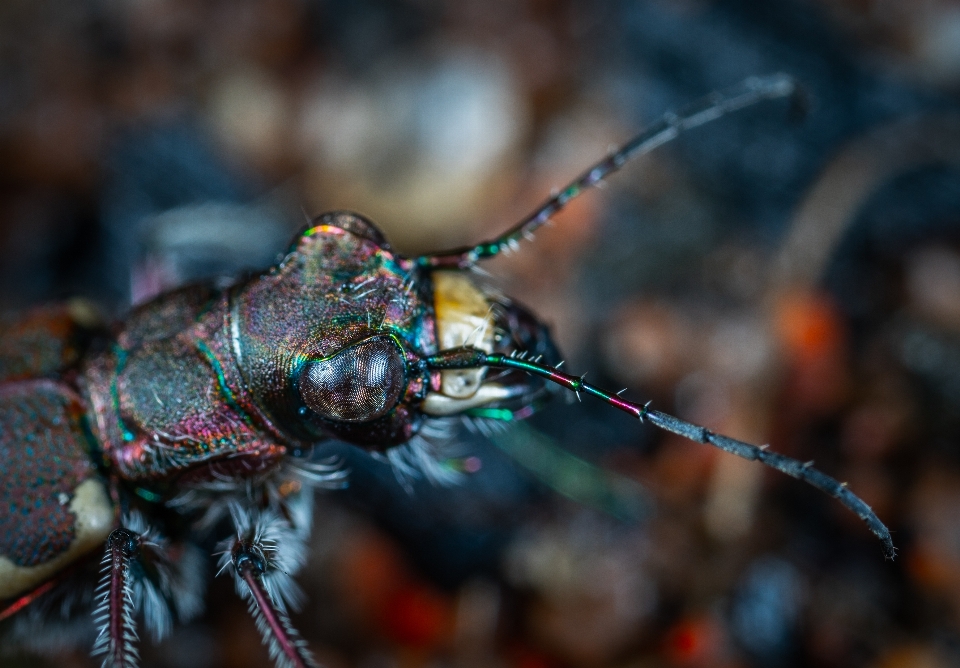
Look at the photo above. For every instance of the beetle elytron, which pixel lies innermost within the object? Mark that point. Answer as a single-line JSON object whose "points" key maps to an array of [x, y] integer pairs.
{"points": [[201, 406]]}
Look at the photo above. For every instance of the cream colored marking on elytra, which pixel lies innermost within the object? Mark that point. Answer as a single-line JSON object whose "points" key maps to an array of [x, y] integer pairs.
{"points": [[95, 517], [463, 318]]}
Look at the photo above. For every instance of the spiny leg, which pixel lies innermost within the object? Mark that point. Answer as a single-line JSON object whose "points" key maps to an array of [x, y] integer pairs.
{"points": [[747, 93], [255, 559], [274, 625], [114, 614], [466, 358]]}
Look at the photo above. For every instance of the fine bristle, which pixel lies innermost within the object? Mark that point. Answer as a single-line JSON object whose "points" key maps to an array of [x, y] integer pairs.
{"points": [[278, 635], [114, 614], [270, 592]]}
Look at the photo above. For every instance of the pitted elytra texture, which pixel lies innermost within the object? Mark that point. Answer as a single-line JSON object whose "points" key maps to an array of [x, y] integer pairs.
{"points": [[44, 463]]}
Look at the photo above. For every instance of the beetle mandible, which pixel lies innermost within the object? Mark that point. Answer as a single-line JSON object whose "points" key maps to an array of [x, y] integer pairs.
{"points": [[201, 405]]}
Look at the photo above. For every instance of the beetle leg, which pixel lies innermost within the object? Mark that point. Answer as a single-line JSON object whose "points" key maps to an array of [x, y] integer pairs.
{"points": [[261, 571], [286, 646], [114, 614]]}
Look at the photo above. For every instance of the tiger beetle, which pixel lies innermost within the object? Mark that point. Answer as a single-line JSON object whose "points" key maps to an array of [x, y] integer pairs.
{"points": [[199, 409]]}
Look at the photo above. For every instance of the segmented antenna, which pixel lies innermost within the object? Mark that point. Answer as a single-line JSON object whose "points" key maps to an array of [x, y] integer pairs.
{"points": [[468, 358], [746, 93], [114, 614]]}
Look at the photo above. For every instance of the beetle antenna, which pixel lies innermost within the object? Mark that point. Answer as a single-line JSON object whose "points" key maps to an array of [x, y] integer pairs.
{"points": [[745, 94], [468, 358]]}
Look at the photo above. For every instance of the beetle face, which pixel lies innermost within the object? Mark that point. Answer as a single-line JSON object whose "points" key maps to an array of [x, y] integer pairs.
{"points": [[332, 341]]}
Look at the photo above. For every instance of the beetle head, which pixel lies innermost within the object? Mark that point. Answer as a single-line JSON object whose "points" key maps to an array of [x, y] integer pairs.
{"points": [[331, 342]]}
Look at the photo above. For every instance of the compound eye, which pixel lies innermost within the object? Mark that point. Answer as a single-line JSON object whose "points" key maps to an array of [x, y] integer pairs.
{"points": [[358, 384]]}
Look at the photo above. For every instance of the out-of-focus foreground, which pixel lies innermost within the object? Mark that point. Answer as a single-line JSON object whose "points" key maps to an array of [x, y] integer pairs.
{"points": [[787, 276]]}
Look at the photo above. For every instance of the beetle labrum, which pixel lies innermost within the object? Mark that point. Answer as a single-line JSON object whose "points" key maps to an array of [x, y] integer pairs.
{"points": [[198, 407]]}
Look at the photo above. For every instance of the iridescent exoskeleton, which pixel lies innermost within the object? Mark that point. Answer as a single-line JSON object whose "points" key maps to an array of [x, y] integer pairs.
{"points": [[199, 407]]}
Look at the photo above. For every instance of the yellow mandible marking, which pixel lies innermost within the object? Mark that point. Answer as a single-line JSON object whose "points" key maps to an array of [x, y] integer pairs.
{"points": [[463, 318]]}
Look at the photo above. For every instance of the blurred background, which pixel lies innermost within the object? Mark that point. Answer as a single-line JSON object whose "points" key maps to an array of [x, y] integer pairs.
{"points": [[787, 276]]}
